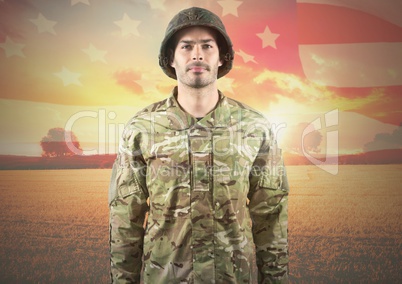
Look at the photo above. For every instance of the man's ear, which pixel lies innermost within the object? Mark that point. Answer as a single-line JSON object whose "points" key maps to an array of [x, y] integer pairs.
{"points": [[221, 58], [171, 57]]}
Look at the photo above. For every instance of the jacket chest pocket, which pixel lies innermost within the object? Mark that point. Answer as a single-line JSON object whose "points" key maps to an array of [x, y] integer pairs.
{"points": [[233, 156]]}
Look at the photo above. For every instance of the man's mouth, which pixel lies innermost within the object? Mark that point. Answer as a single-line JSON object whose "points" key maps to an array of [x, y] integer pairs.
{"points": [[198, 68]]}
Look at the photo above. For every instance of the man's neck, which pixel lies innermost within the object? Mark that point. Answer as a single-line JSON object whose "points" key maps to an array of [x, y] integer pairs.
{"points": [[197, 102]]}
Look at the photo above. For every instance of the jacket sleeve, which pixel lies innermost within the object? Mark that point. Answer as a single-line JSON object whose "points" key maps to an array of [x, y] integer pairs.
{"points": [[268, 197], [128, 206]]}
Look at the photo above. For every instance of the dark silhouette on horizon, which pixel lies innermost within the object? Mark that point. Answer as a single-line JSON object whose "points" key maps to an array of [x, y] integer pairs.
{"points": [[55, 145]]}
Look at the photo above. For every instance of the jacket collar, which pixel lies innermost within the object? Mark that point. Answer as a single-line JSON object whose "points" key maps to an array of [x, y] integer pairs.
{"points": [[181, 120]]}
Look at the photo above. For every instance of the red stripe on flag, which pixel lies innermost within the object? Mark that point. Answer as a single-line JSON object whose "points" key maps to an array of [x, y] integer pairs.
{"points": [[325, 24]]}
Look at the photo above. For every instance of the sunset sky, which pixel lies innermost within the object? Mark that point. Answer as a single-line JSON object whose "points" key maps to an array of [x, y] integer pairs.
{"points": [[90, 65]]}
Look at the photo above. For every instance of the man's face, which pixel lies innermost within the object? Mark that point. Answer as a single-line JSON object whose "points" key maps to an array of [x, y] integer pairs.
{"points": [[196, 57]]}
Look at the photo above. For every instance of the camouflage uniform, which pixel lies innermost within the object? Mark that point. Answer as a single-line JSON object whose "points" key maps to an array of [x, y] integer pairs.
{"points": [[217, 193]]}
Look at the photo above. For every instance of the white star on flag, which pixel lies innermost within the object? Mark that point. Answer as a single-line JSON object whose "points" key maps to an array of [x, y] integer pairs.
{"points": [[68, 77], [95, 54], [128, 26], [229, 7], [246, 57], [268, 38], [12, 48], [74, 2], [44, 25], [157, 4]]}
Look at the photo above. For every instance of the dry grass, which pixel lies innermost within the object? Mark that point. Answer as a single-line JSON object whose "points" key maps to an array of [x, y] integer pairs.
{"points": [[344, 228], [54, 226]]}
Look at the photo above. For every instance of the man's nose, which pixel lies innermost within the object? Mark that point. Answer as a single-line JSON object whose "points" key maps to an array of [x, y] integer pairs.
{"points": [[197, 53]]}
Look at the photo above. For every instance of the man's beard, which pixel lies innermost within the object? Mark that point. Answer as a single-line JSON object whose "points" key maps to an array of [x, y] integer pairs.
{"points": [[199, 81]]}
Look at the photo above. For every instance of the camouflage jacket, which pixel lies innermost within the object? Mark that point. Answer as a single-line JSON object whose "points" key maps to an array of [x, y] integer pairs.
{"points": [[215, 191]]}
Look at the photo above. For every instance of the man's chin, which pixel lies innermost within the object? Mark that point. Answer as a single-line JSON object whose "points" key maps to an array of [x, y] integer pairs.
{"points": [[198, 84]]}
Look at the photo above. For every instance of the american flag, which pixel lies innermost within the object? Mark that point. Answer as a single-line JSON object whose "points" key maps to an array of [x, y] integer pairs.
{"points": [[92, 64]]}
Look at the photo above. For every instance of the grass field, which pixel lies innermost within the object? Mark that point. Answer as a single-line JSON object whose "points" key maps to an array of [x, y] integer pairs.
{"points": [[342, 229]]}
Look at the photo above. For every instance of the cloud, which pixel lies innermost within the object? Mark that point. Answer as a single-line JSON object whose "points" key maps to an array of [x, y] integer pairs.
{"points": [[313, 95], [293, 85], [296, 141], [127, 78], [386, 141]]}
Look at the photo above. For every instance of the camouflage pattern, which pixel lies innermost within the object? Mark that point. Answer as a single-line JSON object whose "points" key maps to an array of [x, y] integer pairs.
{"points": [[217, 192], [196, 17]]}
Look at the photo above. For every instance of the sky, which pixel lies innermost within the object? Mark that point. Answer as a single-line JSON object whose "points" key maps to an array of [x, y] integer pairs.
{"points": [[88, 66]]}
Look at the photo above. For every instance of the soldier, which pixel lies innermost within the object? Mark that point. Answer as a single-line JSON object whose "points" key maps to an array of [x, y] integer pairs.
{"points": [[207, 171]]}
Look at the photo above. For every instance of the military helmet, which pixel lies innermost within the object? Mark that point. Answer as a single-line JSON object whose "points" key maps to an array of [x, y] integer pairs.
{"points": [[196, 17]]}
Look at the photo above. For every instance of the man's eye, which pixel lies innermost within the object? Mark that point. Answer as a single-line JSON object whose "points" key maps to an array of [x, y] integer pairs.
{"points": [[186, 46], [207, 46]]}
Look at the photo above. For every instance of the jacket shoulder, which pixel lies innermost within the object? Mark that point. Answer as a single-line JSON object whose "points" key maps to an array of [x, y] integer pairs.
{"points": [[141, 121], [245, 109], [153, 108], [146, 112]]}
